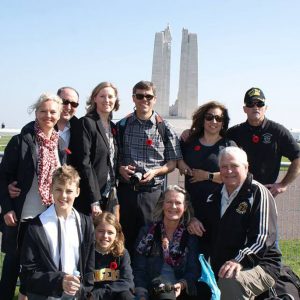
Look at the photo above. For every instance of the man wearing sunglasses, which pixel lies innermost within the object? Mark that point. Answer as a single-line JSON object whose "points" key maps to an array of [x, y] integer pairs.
{"points": [[265, 142], [148, 150], [68, 120]]}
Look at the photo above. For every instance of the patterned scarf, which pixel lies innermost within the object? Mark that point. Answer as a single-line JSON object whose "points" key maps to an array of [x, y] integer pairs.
{"points": [[47, 162], [173, 251]]}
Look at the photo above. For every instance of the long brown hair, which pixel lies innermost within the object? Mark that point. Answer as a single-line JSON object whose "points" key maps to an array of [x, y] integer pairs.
{"points": [[117, 247], [197, 128]]}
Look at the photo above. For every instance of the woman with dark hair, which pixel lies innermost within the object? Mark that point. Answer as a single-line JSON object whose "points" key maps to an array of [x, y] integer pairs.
{"points": [[95, 154], [166, 252], [29, 161], [200, 147]]}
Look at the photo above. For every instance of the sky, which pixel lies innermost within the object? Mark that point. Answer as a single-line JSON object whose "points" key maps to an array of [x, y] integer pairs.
{"points": [[48, 44]]}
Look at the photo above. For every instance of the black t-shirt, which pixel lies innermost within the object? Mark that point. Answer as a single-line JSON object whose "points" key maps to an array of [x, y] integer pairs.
{"points": [[203, 157], [265, 145]]}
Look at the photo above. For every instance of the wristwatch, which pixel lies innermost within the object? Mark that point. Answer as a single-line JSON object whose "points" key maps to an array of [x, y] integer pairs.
{"points": [[210, 176]]}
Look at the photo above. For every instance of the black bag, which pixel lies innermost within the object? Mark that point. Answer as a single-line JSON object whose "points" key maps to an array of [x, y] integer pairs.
{"points": [[287, 286]]}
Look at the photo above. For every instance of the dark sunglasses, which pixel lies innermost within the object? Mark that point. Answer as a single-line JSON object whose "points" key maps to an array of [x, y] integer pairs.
{"points": [[72, 103], [257, 103], [210, 117], [142, 96]]}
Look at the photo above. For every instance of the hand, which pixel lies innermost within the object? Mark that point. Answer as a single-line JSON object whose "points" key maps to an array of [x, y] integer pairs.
{"points": [[276, 188], [183, 168], [13, 190], [148, 176], [70, 284], [177, 287], [126, 171], [196, 227], [96, 210], [198, 175], [184, 135], [230, 269], [10, 218]]}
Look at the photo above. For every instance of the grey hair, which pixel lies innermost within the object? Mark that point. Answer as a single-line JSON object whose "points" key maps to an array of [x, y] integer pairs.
{"points": [[44, 98], [238, 153], [158, 213]]}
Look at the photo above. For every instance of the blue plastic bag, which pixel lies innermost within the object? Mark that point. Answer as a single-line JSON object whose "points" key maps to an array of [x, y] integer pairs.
{"points": [[208, 276]]}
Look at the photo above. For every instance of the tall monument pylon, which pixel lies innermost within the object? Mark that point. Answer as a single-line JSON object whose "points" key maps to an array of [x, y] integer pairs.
{"points": [[161, 69], [188, 78]]}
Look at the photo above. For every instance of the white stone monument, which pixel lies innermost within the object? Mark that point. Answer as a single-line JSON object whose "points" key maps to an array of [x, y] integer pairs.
{"points": [[161, 70], [188, 77]]}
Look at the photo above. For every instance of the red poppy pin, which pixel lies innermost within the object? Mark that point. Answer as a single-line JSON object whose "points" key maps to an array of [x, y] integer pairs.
{"points": [[255, 138], [197, 148], [113, 265], [149, 142], [68, 151], [114, 131]]}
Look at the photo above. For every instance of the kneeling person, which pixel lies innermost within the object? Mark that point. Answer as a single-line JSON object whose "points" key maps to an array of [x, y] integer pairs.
{"points": [[59, 242], [241, 231]]}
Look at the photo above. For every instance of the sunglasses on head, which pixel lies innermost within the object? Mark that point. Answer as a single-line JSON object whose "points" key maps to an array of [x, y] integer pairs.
{"points": [[210, 117], [142, 96], [253, 103], [72, 103]]}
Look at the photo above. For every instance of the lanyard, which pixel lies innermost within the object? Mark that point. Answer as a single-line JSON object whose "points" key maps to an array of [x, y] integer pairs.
{"points": [[59, 240]]}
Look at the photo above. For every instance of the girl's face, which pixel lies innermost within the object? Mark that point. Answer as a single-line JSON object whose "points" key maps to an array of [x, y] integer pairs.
{"points": [[47, 114], [173, 206], [212, 126], [105, 236], [105, 100]]}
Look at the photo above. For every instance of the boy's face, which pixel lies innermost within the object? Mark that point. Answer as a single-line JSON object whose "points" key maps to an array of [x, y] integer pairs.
{"points": [[64, 195]]}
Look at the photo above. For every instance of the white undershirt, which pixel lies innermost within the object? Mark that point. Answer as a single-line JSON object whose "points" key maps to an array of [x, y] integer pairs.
{"points": [[226, 199], [69, 238], [65, 134]]}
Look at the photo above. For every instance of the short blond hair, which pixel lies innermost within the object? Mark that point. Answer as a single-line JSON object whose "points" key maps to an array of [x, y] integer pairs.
{"points": [[65, 174], [44, 98]]}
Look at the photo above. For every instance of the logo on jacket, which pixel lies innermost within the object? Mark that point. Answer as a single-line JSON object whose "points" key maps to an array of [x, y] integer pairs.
{"points": [[242, 208], [266, 138]]}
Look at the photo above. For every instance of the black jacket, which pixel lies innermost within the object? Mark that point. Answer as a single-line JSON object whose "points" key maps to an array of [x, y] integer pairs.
{"points": [[19, 163], [91, 158], [110, 288], [39, 272], [246, 232]]}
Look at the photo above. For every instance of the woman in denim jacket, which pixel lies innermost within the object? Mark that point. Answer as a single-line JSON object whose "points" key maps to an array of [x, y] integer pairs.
{"points": [[166, 250]]}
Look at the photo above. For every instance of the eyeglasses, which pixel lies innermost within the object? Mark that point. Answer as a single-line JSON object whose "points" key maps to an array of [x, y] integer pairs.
{"points": [[257, 103], [142, 96], [210, 117], [72, 103]]}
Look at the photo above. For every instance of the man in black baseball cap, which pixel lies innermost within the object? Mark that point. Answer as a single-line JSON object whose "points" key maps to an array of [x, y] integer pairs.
{"points": [[265, 142]]}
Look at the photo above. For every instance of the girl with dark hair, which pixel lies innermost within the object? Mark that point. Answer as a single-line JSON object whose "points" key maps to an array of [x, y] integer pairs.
{"points": [[200, 146], [113, 274]]}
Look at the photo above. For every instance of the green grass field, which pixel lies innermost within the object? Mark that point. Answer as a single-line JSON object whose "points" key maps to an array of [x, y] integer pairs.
{"points": [[3, 141]]}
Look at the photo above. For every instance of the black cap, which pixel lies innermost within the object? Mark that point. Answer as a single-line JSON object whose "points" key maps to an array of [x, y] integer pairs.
{"points": [[254, 94], [162, 289]]}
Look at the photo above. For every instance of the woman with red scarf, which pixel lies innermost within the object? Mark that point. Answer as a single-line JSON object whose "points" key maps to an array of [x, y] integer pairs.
{"points": [[166, 252], [29, 160]]}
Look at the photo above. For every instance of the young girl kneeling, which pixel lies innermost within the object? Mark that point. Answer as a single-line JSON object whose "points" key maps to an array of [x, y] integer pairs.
{"points": [[113, 273]]}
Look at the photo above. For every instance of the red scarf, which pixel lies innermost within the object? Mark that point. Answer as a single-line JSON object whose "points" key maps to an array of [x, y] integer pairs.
{"points": [[47, 162]]}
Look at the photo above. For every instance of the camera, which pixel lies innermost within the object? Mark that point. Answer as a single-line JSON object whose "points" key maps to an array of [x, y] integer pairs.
{"points": [[136, 178], [161, 288]]}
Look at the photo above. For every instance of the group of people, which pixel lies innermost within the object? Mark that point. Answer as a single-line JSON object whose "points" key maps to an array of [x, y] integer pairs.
{"points": [[60, 171]]}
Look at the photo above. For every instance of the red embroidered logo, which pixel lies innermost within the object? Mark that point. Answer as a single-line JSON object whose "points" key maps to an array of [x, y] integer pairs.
{"points": [[197, 148]]}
